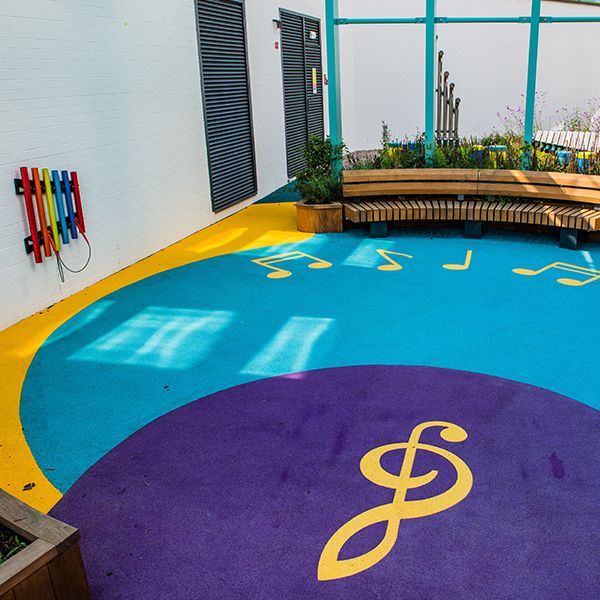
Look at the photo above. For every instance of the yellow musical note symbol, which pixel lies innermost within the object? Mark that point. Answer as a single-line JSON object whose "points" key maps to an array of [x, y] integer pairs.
{"points": [[463, 267], [279, 273], [330, 565], [593, 274], [393, 266]]}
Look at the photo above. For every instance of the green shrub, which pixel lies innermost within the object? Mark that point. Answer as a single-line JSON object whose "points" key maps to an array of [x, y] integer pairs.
{"points": [[469, 154], [320, 189], [316, 182]]}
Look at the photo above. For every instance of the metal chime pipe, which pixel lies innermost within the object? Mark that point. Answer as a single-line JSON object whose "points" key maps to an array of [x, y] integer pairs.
{"points": [[439, 96], [451, 113], [456, 114], [445, 105]]}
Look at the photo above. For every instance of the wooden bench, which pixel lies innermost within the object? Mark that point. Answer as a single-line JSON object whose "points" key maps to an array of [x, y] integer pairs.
{"points": [[575, 206]]}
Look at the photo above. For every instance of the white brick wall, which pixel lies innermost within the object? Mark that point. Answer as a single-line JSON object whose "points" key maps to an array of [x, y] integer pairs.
{"points": [[111, 90]]}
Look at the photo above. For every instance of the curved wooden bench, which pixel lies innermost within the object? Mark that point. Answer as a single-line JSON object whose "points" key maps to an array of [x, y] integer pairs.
{"points": [[578, 196]]}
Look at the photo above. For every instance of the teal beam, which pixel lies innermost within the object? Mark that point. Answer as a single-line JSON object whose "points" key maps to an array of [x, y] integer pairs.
{"points": [[534, 38], [482, 20], [570, 19], [430, 59], [334, 88], [524, 20], [467, 20], [380, 21]]}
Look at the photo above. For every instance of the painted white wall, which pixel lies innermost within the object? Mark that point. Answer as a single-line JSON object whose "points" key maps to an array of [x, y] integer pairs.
{"points": [[383, 65], [111, 89]]}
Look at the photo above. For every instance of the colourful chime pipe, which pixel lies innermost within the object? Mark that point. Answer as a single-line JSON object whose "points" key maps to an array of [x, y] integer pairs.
{"points": [[69, 203], [77, 194], [39, 199], [50, 207], [60, 209], [37, 253]]}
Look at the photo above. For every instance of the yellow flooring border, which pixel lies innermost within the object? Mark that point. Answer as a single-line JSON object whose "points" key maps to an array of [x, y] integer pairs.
{"points": [[255, 227]]}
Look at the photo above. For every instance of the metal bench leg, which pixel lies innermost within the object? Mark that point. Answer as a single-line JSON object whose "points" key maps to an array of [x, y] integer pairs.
{"points": [[473, 230], [568, 238], [379, 229]]}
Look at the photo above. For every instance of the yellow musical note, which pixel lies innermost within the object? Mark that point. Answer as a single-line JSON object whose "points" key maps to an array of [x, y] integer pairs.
{"points": [[592, 273], [279, 273], [330, 564], [393, 266], [463, 267]]}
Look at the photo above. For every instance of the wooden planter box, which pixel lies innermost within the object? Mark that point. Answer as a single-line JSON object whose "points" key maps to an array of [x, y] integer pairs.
{"points": [[50, 567], [319, 218]]}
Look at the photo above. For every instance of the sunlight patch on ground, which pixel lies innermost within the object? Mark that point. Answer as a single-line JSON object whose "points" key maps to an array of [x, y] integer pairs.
{"points": [[291, 347], [81, 320], [159, 337], [365, 254]]}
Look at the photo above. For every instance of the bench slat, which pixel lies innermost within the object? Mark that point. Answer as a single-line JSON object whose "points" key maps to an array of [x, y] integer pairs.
{"points": [[471, 175], [574, 180], [543, 192], [393, 175], [409, 188]]}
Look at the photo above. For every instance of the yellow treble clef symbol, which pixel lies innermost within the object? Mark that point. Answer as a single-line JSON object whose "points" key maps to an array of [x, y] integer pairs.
{"points": [[330, 565]]}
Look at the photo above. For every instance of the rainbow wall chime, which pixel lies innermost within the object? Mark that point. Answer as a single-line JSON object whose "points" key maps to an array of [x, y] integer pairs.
{"points": [[54, 209]]}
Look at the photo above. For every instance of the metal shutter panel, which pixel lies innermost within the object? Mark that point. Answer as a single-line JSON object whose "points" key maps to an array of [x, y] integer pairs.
{"points": [[300, 53], [312, 57], [294, 89], [226, 93]]}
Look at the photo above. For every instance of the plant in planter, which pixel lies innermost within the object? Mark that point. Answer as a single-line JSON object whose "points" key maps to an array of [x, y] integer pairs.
{"points": [[10, 543], [320, 210]]}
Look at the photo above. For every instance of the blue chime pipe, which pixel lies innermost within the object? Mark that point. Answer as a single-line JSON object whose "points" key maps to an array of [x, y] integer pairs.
{"points": [[69, 202]]}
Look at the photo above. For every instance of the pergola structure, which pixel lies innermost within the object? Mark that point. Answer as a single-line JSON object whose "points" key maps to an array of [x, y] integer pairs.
{"points": [[333, 22]]}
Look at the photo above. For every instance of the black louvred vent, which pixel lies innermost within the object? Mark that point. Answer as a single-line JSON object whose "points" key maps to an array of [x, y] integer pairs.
{"points": [[303, 102], [227, 108]]}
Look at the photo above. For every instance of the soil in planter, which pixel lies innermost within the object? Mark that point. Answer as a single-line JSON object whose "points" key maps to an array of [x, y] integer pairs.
{"points": [[10, 543]]}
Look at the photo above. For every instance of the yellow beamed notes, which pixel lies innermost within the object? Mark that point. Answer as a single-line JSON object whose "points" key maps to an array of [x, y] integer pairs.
{"points": [[279, 273], [591, 274], [393, 265], [464, 266], [330, 564]]}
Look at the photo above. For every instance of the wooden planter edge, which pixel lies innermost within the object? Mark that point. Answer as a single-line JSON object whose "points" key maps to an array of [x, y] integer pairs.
{"points": [[319, 218], [50, 541]]}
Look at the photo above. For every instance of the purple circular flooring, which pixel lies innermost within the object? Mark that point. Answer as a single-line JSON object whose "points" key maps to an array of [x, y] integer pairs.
{"points": [[236, 495]]}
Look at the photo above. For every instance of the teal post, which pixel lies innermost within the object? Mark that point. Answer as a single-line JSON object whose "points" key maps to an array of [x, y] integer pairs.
{"points": [[429, 80], [333, 69], [534, 37]]}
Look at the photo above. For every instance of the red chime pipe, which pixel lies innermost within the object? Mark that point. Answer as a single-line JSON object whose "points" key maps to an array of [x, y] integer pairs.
{"points": [[78, 208], [37, 254], [39, 198]]}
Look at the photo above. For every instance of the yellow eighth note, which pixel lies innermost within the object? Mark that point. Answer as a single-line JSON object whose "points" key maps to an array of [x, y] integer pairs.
{"points": [[591, 274], [463, 267], [330, 565], [278, 273], [393, 265]]}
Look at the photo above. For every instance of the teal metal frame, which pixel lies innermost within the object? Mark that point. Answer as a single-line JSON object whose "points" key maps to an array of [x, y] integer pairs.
{"points": [[430, 20]]}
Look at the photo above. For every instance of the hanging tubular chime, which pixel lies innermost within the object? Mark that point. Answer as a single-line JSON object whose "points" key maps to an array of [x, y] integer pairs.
{"points": [[446, 132], [59, 218]]}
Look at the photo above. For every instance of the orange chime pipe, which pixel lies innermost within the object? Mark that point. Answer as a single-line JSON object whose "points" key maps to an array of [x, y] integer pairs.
{"points": [[39, 198], [31, 215]]}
